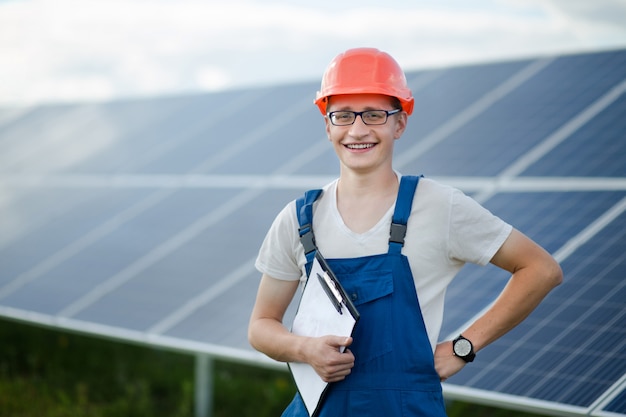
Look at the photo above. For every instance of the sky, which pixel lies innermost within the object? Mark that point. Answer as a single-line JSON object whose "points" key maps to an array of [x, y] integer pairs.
{"points": [[54, 51]]}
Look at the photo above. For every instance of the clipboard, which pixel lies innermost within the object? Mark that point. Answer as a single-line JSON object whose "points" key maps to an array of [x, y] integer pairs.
{"points": [[324, 309]]}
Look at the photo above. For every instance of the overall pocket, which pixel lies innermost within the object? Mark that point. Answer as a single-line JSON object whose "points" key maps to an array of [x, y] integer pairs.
{"points": [[371, 292]]}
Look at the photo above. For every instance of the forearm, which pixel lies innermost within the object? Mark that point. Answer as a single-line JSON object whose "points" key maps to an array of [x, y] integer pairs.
{"points": [[524, 291], [273, 339], [325, 354], [266, 332], [534, 274]]}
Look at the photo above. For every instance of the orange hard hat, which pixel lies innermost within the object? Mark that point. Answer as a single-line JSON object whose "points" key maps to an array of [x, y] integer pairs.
{"points": [[364, 71]]}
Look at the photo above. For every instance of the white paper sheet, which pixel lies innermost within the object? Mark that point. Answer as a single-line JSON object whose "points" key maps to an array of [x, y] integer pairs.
{"points": [[317, 316]]}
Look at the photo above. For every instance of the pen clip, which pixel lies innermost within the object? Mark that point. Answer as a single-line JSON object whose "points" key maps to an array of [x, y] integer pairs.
{"points": [[331, 291]]}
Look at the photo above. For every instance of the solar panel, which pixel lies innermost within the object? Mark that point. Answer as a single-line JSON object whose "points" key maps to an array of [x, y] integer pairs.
{"points": [[141, 219], [498, 128], [616, 405], [551, 219], [597, 149], [570, 350]]}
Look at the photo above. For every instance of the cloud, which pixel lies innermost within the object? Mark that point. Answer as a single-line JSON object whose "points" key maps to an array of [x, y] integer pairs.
{"points": [[608, 13], [65, 50]]}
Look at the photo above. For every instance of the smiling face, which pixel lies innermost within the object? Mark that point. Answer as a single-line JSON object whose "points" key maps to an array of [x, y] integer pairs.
{"points": [[365, 148]]}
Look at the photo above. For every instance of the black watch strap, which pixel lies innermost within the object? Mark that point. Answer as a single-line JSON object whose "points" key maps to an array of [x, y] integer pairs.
{"points": [[463, 348]]}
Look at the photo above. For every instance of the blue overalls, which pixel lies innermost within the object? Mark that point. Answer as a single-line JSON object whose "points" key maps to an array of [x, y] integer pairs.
{"points": [[394, 372]]}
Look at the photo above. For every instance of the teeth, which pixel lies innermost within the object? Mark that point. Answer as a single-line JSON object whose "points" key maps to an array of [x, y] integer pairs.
{"points": [[360, 145]]}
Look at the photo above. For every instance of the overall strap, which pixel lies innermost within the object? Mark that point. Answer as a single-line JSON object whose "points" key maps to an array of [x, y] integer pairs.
{"points": [[408, 184], [304, 211]]}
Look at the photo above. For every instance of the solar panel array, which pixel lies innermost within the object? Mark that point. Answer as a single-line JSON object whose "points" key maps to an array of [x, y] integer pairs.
{"points": [[141, 219]]}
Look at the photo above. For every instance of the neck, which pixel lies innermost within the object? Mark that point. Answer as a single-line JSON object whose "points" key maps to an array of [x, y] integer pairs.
{"points": [[355, 185], [362, 200]]}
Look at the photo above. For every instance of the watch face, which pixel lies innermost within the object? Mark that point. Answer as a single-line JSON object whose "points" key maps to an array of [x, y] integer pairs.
{"points": [[462, 347]]}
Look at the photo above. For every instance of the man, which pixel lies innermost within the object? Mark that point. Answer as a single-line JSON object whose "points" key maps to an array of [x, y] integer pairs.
{"points": [[393, 364]]}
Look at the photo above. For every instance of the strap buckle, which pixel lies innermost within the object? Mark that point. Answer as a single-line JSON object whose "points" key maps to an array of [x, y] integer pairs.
{"points": [[307, 238], [397, 233]]}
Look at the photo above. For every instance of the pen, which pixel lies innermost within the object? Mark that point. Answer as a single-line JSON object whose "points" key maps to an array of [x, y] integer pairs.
{"points": [[331, 291]]}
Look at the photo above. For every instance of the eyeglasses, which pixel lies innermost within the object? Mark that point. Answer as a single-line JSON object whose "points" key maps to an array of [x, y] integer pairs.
{"points": [[369, 117]]}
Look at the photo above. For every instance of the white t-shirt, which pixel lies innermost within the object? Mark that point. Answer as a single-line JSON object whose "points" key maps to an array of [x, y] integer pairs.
{"points": [[445, 230]]}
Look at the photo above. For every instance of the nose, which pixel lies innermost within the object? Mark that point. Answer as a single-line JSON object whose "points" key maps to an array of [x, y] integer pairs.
{"points": [[359, 128]]}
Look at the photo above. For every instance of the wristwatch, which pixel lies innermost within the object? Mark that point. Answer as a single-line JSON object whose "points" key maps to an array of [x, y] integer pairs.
{"points": [[463, 348]]}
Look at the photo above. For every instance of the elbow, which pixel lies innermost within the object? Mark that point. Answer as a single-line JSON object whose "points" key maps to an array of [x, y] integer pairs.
{"points": [[251, 336], [256, 337], [555, 274], [252, 339]]}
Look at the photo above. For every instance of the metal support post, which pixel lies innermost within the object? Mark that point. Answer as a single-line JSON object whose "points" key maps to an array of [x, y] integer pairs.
{"points": [[203, 386]]}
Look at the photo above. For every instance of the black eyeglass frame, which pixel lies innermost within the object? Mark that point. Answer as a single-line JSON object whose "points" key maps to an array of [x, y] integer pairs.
{"points": [[360, 113]]}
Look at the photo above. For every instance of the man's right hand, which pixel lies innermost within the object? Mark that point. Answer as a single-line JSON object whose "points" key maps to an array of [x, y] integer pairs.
{"points": [[329, 359]]}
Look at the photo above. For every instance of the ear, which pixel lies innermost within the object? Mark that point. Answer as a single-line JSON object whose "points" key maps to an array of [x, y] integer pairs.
{"points": [[400, 125], [328, 125]]}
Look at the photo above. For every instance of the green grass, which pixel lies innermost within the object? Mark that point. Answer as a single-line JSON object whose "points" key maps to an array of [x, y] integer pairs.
{"points": [[49, 373]]}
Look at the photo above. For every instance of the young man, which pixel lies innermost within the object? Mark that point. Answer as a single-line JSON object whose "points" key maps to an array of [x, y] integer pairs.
{"points": [[393, 364]]}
